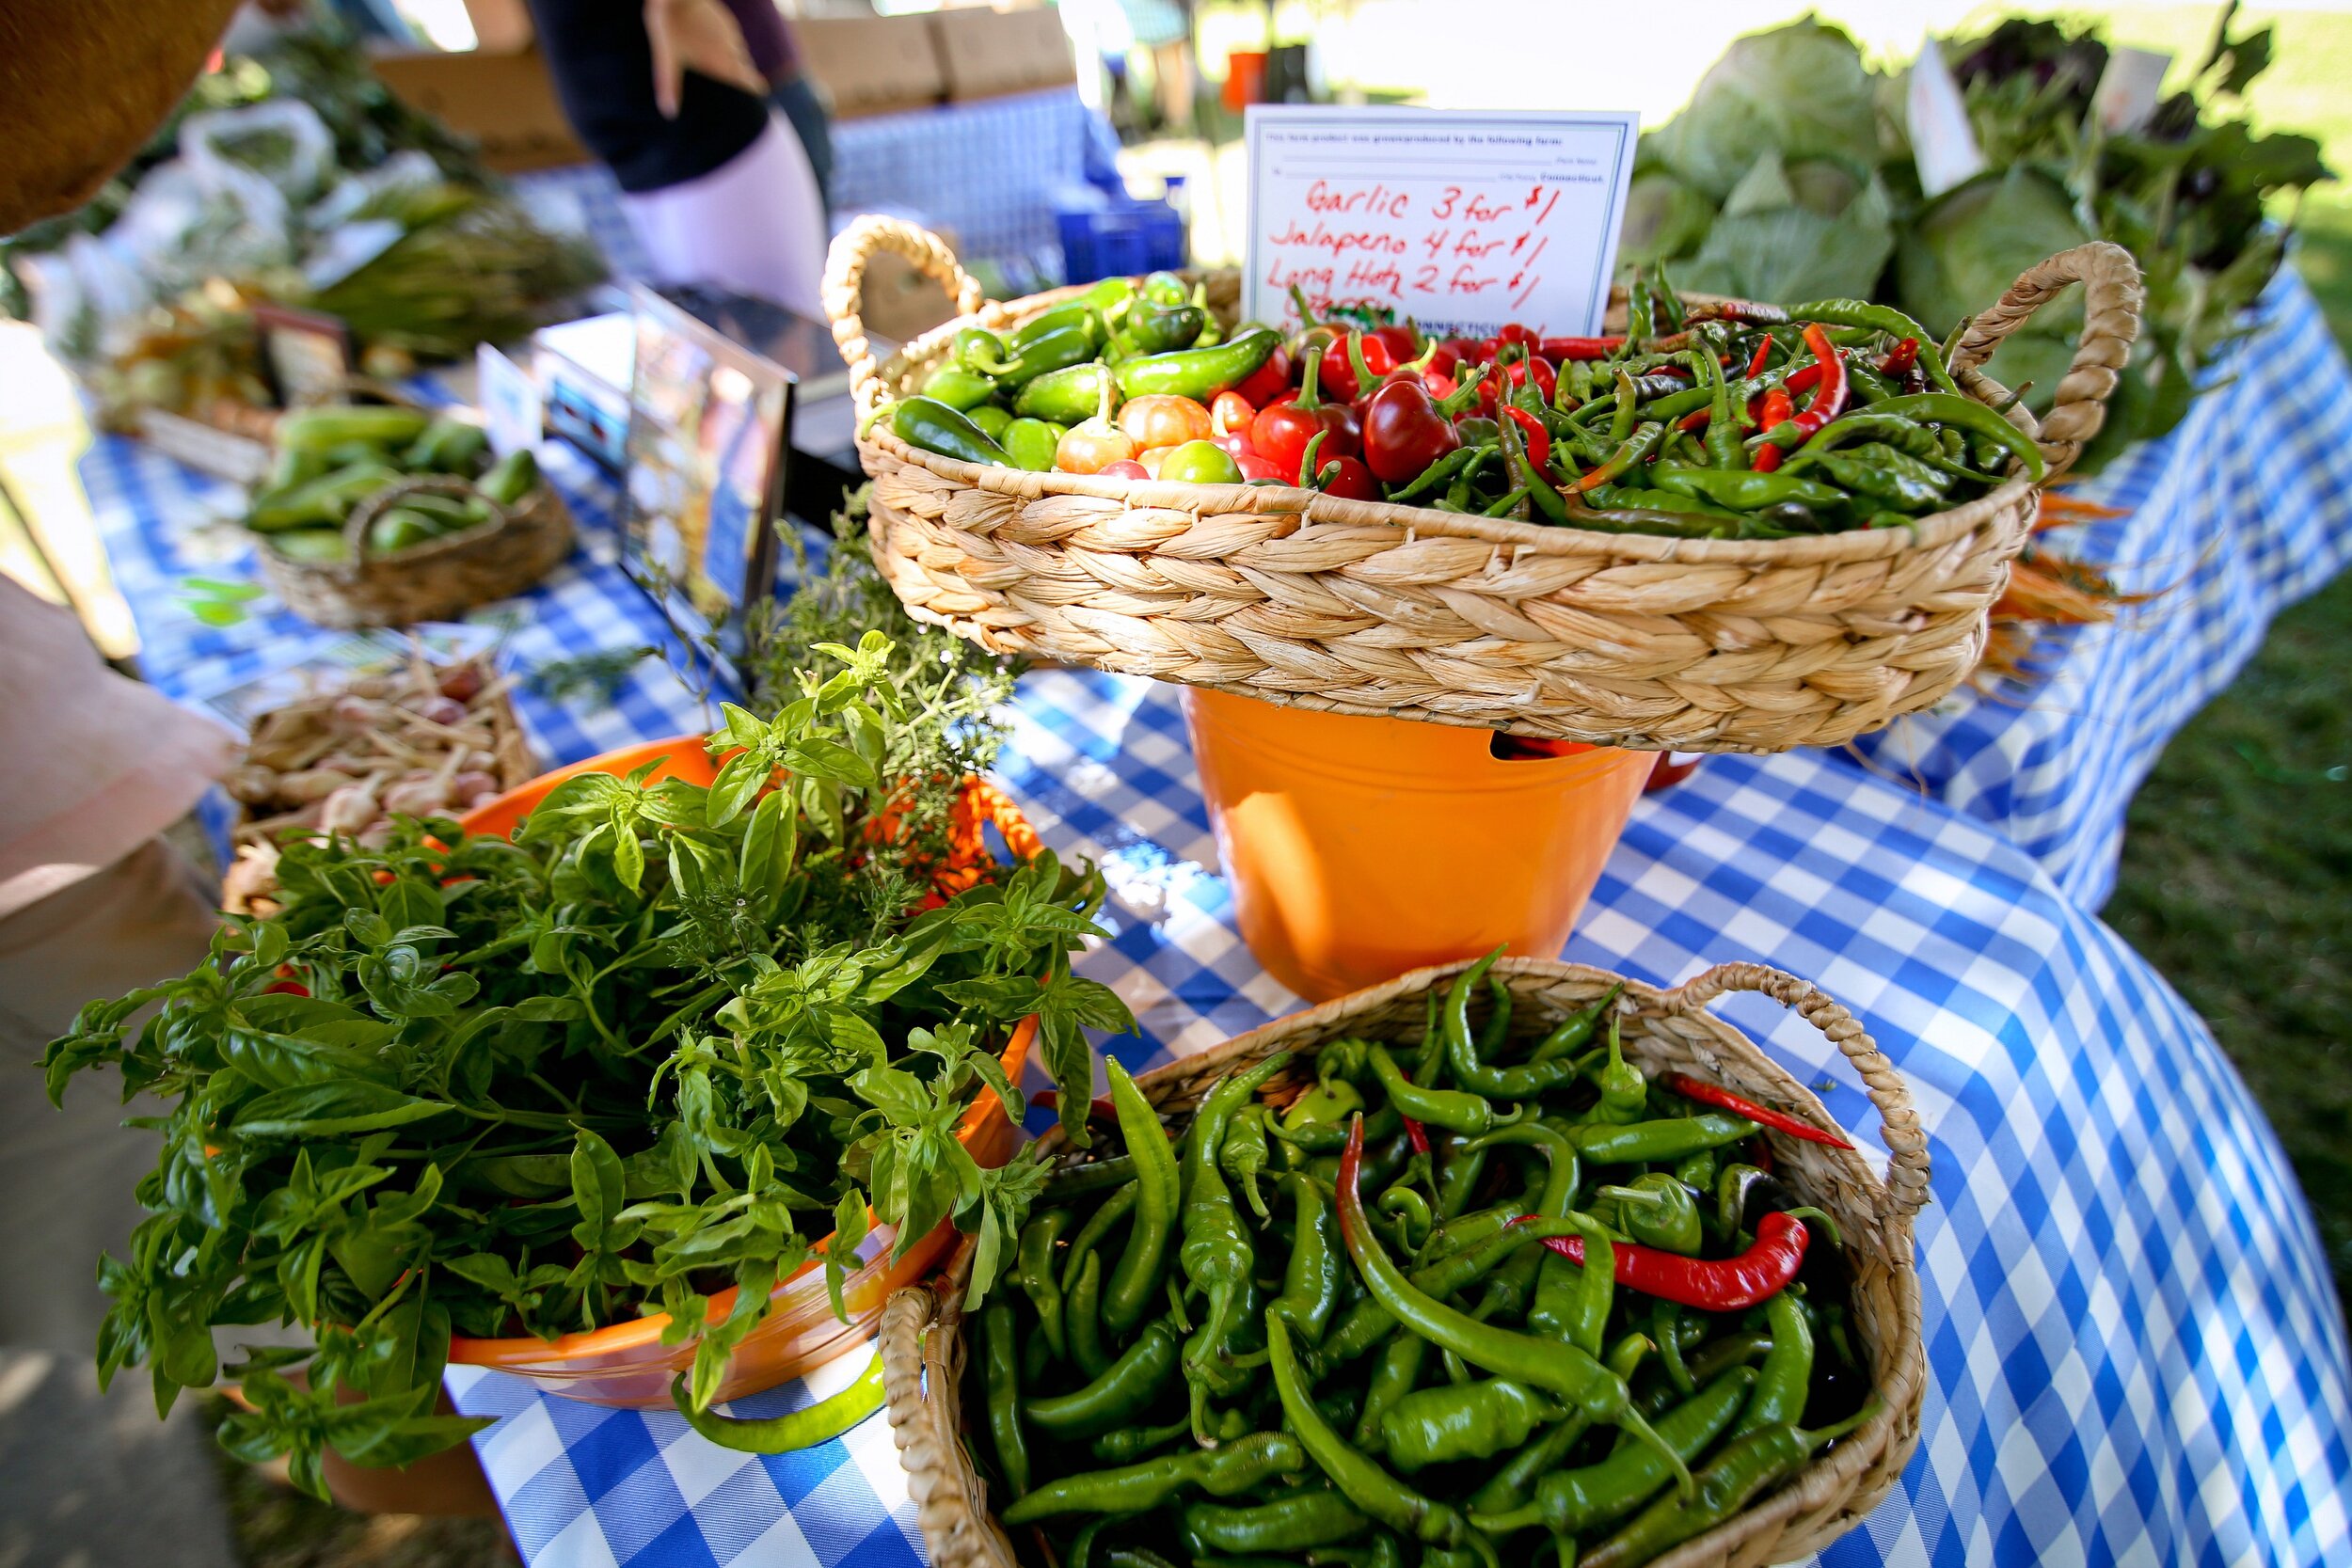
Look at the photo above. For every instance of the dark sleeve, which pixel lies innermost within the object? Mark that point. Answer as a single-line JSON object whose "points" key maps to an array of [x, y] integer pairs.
{"points": [[765, 37], [603, 69]]}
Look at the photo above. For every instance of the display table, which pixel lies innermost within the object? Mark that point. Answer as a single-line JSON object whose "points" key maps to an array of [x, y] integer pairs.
{"points": [[2133, 1346], [2242, 510]]}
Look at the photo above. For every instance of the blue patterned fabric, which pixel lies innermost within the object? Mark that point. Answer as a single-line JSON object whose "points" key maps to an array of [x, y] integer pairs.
{"points": [[2133, 1350], [2242, 510]]}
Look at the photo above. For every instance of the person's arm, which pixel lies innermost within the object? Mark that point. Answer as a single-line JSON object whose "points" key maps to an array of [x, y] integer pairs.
{"points": [[82, 88]]}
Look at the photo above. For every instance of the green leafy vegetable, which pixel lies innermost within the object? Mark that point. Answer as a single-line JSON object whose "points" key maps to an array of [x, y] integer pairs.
{"points": [[656, 1048]]}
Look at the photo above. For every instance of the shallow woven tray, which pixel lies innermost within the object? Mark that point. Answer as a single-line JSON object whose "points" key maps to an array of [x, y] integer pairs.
{"points": [[923, 1344], [1369, 607], [437, 581]]}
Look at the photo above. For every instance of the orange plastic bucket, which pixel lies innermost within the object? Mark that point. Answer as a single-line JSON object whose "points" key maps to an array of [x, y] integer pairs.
{"points": [[627, 1364], [1359, 848]]}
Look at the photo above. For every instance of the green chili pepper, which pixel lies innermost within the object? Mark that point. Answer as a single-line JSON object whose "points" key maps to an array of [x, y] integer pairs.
{"points": [[1519, 1082], [1368, 1323], [958, 388], [1649, 1142], [1461, 1234], [936, 427], [1745, 1470], [1127, 1445], [1742, 490], [1222, 1472], [1697, 1170], [1564, 1370], [1879, 471], [1126, 1387], [1404, 1205], [1135, 1284], [1510, 1486], [1000, 1378], [1115, 1208], [1066, 396], [1571, 1502], [1393, 1376], [1360, 1479], [1469, 1421], [1078, 313], [805, 1428], [1458, 1176], [1722, 445], [1199, 373], [1386, 1551], [1905, 436], [1077, 1181], [1327, 1102], [1621, 412], [326, 499], [1658, 1211], [1666, 1328], [1082, 1318], [1727, 1351], [1624, 1092], [1108, 294], [1217, 1256], [1644, 441], [1310, 1281], [1562, 1168], [1031, 444], [1317, 1137], [1318, 1518], [1946, 408], [1881, 318], [1245, 1154], [1786, 1378], [1039, 1278], [1449, 1108], [1509, 1287], [1574, 1030], [1437, 474], [1057, 350]]}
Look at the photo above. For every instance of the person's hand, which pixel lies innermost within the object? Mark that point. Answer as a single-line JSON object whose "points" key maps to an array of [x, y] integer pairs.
{"points": [[701, 35]]}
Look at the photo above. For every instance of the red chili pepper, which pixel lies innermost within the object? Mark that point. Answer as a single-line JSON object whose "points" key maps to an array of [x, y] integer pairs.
{"points": [[1538, 438], [1763, 1116], [1760, 1154], [1829, 392], [1763, 352], [1695, 419], [1557, 349], [1339, 377], [1406, 430], [1901, 358], [1513, 332], [1403, 341], [1445, 358], [1800, 379], [1709, 1284], [1418, 1136], [1440, 384], [1268, 381], [285, 987], [1283, 427], [1764, 459]]}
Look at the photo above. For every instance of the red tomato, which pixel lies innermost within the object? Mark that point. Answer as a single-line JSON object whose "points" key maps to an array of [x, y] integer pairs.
{"points": [[1254, 466], [285, 987], [1162, 420], [1235, 446], [1126, 467]]}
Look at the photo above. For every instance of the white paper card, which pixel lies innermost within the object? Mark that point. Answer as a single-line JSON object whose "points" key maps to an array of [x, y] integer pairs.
{"points": [[513, 410], [1461, 221], [2126, 94], [1943, 143]]}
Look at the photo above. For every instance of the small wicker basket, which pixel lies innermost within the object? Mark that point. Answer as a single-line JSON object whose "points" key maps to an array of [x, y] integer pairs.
{"points": [[1359, 607], [437, 581], [923, 1343]]}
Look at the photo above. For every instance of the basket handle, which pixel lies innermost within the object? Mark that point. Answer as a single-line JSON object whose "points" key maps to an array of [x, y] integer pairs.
{"points": [[845, 285], [1906, 1145], [2112, 298]]}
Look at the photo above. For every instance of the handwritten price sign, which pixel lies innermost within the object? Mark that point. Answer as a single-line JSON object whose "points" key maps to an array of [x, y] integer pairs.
{"points": [[1461, 221]]}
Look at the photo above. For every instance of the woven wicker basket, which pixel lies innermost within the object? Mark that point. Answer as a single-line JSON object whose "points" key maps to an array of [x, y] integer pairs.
{"points": [[1359, 607], [923, 1342], [438, 580]]}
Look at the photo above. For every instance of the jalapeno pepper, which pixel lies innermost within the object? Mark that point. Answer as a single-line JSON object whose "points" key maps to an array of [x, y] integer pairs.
{"points": [[936, 427], [1157, 328], [1223, 1472], [1198, 373], [959, 387], [1135, 1285], [1032, 444], [993, 420], [1076, 312], [1067, 396]]}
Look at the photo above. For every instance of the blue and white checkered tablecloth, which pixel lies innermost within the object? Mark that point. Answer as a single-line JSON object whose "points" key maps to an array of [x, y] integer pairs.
{"points": [[989, 172], [2242, 510], [2134, 1351], [164, 523]]}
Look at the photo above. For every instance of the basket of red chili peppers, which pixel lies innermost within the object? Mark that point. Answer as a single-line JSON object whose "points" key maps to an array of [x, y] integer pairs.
{"points": [[1494, 1258], [1722, 527]]}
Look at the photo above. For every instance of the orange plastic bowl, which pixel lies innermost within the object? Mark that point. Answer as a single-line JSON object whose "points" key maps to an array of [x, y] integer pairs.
{"points": [[627, 1364], [1359, 849]]}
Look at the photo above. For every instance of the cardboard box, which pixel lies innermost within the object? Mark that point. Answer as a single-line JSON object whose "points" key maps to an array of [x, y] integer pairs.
{"points": [[871, 64], [505, 102], [989, 53]]}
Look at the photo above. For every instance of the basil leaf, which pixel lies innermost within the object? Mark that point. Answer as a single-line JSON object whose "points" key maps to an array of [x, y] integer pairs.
{"points": [[319, 1110]]}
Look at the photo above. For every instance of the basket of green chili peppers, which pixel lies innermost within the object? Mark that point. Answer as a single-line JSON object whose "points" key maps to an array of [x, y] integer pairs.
{"points": [[1496, 1263], [1720, 525]]}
